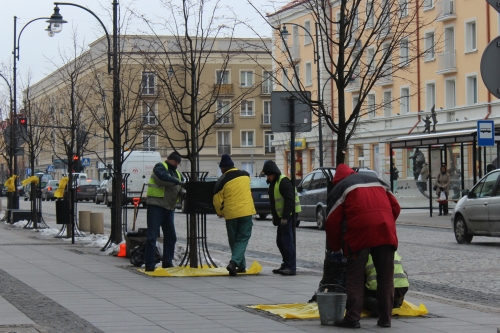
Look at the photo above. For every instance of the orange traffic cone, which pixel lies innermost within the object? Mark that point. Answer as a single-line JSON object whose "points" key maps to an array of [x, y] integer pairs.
{"points": [[123, 250]]}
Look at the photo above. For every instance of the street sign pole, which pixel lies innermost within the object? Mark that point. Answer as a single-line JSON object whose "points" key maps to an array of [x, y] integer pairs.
{"points": [[291, 105]]}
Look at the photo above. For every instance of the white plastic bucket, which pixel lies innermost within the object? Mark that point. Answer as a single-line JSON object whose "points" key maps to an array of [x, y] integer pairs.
{"points": [[331, 307]]}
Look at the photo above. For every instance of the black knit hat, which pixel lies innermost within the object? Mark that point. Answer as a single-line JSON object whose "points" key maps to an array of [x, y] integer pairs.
{"points": [[175, 156], [226, 162]]}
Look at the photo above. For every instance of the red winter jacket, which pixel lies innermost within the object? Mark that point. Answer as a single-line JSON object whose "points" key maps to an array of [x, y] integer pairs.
{"points": [[368, 208]]}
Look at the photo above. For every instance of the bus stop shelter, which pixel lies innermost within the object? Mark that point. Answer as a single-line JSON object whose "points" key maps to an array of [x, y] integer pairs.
{"points": [[443, 148]]}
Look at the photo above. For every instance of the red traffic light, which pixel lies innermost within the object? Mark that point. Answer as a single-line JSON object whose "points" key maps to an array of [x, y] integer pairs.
{"points": [[76, 157], [23, 122]]}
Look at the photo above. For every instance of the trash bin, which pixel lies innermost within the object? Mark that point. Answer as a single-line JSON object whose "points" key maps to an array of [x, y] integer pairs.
{"points": [[331, 307], [62, 212]]}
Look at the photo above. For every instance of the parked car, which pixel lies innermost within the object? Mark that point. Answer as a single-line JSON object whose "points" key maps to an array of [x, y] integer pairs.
{"points": [[312, 192], [478, 211], [260, 196], [44, 179], [86, 189], [49, 189], [3, 191], [101, 194], [20, 191]]}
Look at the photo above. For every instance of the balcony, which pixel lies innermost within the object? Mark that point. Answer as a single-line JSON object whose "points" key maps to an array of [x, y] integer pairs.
{"points": [[223, 89], [270, 150], [447, 63], [295, 52], [223, 149], [446, 10], [386, 79], [225, 120]]}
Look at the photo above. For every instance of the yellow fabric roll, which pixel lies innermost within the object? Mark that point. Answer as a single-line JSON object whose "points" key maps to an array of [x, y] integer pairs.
{"points": [[59, 193], [32, 179], [11, 183]]}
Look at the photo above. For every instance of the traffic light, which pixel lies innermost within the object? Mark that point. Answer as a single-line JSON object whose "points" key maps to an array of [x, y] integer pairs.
{"points": [[23, 122], [77, 163]]}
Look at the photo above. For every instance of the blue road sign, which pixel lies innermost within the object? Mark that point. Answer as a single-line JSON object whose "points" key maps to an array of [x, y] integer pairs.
{"points": [[485, 133], [28, 171], [86, 161], [50, 168]]}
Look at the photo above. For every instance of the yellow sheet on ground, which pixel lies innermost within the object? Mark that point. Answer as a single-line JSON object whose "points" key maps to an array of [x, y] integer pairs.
{"points": [[310, 310], [182, 271]]}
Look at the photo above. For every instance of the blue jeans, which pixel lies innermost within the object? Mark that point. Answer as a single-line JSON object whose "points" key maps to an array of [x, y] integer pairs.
{"points": [[164, 218], [239, 231], [284, 240]]}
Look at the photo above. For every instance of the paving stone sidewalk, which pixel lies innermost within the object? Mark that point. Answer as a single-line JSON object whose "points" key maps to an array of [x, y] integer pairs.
{"points": [[48, 285]]}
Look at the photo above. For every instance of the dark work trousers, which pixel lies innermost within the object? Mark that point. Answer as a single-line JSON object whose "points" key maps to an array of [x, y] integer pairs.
{"points": [[160, 217], [284, 240], [383, 259], [239, 231]]}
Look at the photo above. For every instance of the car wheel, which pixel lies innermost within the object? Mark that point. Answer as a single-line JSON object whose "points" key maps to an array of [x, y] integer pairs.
{"points": [[461, 231], [262, 216], [320, 218], [96, 200], [106, 200]]}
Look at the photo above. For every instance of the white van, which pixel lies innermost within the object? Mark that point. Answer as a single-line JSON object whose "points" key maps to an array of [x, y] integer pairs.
{"points": [[139, 165]]}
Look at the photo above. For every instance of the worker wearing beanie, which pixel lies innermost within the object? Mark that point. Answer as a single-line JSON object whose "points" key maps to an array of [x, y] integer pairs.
{"points": [[233, 201], [165, 188]]}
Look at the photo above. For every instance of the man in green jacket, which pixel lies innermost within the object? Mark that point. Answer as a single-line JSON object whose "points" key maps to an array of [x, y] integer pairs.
{"points": [[165, 188]]}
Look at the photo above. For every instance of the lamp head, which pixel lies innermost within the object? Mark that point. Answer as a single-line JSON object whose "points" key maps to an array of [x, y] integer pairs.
{"points": [[50, 32], [56, 21], [284, 32], [170, 72]]}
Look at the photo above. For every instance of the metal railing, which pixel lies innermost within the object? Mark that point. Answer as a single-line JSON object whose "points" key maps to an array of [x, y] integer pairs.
{"points": [[224, 89], [445, 8], [223, 149], [447, 60]]}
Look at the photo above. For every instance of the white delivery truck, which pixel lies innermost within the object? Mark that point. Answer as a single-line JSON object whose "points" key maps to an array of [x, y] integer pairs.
{"points": [[139, 165]]}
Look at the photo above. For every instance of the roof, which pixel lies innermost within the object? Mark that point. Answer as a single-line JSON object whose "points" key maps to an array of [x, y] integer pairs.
{"points": [[289, 5], [424, 140]]}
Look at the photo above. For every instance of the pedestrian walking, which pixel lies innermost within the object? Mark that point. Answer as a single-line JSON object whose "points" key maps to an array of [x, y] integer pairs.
{"points": [[165, 189], [233, 201], [284, 202], [362, 221], [395, 176], [442, 185]]}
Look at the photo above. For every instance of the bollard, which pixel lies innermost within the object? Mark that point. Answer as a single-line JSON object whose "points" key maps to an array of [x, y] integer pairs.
{"points": [[97, 223], [84, 220]]}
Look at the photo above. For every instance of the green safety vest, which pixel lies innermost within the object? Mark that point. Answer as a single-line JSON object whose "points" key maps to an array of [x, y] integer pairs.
{"points": [[155, 190], [279, 202], [400, 277]]}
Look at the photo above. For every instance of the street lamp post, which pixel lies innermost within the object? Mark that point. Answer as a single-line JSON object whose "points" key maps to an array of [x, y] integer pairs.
{"points": [[284, 34], [56, 22], [11, 145]]}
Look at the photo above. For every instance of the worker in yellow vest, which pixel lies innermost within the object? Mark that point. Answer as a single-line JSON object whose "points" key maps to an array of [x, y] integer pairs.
{"points": [[165, 188], [401, 285], [284, 202]]}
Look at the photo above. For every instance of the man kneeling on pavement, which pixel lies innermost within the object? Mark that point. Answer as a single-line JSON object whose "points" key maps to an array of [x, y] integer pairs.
{"points": [[401, 285]]}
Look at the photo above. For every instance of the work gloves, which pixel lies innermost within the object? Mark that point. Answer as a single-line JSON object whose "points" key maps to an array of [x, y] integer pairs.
{"points": [[284, 222]]}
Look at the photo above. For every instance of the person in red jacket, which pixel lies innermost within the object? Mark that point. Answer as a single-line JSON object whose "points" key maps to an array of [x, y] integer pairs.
{"points": [[362, 213]]}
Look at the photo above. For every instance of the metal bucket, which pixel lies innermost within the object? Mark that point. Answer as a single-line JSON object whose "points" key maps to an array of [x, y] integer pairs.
{"points": [[331, 307]]}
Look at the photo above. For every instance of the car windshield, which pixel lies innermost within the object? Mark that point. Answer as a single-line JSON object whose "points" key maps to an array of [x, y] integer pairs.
{"points": [[89, 182], [258, 182]]}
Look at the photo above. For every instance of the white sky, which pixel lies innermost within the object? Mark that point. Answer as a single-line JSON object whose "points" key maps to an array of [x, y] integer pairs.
{"points": [[40, 54]]}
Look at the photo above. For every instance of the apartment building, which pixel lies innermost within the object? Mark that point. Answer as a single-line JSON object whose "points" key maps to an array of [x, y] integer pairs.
{"points": [[233, 103], [445, 77]]}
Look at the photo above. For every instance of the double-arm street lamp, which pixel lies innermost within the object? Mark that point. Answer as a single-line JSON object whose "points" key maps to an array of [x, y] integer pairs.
{"points": [[56, 21], [11, 134], [284, 33]]}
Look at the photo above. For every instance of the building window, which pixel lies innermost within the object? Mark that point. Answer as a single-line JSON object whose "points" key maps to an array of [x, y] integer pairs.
{"points": [[247, 138], [148, 83], [307, 37], [428, 4], [430, 95], [404, 52], [370, 14], [403, 8], [223, 142], [387, 103], [355, 102], [149, 141], [471, 90], [405, 101], [223, 115], [247, 109], [246, 78], [267, 83], [268, 142], [266, 114], [470, 36], [450, 94], [149, 112], [371, 106], [308, 74], [370, 60], [222, 77], [429, 46], [248, 167]]}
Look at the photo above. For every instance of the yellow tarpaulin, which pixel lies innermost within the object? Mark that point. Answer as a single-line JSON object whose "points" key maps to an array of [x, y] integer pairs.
{"points": [[310, 310], [59, 193], [32, 179], [11, 183], [182, 271]]}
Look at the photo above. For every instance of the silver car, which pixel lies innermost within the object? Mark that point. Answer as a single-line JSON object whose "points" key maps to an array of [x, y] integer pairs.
{"points": [[478, 212], [49, 189]]}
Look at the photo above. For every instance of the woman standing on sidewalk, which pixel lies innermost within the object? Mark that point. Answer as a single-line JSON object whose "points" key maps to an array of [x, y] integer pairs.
{"points": [[442, 184]]}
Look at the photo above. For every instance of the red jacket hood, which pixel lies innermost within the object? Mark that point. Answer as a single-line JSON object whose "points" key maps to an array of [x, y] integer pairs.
{"points": [[341, 172]]}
